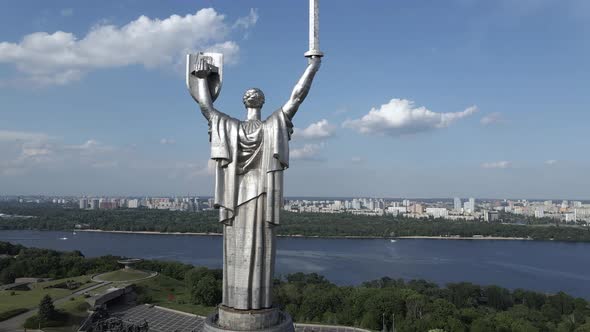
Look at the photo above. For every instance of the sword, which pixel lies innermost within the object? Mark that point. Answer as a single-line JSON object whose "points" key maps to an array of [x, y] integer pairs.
{"points": [[314, 30]]}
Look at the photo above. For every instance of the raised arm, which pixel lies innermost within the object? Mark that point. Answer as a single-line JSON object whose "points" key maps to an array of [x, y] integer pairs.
{"points": [[302, 87], [198, 84]]}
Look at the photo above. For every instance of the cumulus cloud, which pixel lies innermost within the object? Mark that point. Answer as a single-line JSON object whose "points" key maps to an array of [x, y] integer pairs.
{"points": [[401, 117], [167, 141], [492, 118], [497, 164], [61, 57], [307, 152], [550, 162], [318, 130]]}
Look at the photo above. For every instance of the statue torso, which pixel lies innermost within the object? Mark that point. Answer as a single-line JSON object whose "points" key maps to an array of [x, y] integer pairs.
{"points": [[250, 145], [250, 140]]}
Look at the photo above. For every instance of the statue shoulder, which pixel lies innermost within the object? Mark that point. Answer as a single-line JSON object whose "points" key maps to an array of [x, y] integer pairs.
{"points": [[216, 115], [279, 114]]}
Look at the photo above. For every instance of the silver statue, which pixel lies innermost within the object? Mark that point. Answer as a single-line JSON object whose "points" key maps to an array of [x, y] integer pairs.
{"points": [[250, 157]]}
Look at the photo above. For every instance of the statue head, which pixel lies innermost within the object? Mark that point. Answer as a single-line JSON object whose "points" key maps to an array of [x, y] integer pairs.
{"points": [[253, 98]]}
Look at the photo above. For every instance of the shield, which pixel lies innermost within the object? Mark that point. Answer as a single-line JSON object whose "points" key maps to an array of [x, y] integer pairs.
{"points": [[215, 78]]}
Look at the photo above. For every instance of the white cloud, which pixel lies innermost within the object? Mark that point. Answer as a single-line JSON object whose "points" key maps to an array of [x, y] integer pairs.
{"points": [[247, 22], [550, 162], [400, 117], [492, 118], [167, 141], [497, 164], [307, 152], [21, 136], [61, 57], [23, 151], [318, 130]]}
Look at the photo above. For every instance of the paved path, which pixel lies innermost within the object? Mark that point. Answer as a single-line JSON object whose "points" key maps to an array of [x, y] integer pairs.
{"points": [[15, 323]]}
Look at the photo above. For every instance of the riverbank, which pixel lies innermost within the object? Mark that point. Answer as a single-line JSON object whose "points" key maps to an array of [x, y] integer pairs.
{"points": [[455, 237], [476, 237]]}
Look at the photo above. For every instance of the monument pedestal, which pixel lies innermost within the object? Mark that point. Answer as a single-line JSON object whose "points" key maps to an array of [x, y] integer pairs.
{"points": [[261, 320]]}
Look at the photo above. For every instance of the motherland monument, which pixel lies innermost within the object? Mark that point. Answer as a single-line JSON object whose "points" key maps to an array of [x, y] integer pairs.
{"points": [[250, 158]]}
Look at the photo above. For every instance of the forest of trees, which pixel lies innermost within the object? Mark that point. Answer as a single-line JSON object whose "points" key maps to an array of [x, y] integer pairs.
{"points": [[45, 263], [51, 217], [413, 306]]}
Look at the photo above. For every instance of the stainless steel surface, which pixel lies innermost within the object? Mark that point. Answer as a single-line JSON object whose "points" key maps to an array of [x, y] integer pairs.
{"points": [[250, 158], [215, 66], [314, 29]]}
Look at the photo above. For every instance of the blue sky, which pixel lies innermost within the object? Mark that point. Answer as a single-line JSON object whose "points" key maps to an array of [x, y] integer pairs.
{"points": [[415, 98]]}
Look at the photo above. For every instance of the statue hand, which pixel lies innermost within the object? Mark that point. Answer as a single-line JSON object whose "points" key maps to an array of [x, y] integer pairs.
{"points": [[315, 60], [204, 67]]}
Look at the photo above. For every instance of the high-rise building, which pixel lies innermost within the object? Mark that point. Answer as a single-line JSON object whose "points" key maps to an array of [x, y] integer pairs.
{"points": [[418, 209], [457, 204], [83, 203], [94, 203], [356, 204], [437, 212], [491, 216], [472, 204], [133, 203]]}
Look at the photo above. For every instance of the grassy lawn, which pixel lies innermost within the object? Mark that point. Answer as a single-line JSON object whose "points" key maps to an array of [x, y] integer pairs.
{"points": [[170, 293], [75, 310], [124, 275], [31, 298]]}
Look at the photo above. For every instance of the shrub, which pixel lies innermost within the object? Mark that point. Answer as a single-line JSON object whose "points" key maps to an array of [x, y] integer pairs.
{"points": [[144, 298]]}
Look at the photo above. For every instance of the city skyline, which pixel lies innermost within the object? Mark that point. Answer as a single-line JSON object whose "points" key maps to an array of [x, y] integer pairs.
{"points": [[481, 100]]}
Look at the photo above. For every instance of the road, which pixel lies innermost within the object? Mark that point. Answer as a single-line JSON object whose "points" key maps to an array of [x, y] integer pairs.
{"points": [[15, 323]]}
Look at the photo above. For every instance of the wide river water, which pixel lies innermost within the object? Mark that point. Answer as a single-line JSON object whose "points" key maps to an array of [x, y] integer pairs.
{"points": [[541, 266]]}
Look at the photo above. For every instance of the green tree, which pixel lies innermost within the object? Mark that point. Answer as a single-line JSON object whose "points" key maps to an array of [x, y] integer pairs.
{"points": [[583, 328], [46, 309], [207, 291]]}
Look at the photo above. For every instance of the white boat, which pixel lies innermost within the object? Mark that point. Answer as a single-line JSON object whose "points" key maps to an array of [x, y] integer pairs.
{"points": [[74, 233], [63, 238], [393, 241]]}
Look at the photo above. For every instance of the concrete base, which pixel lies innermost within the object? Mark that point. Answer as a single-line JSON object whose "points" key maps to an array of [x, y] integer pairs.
{"points": [[263, 320]]}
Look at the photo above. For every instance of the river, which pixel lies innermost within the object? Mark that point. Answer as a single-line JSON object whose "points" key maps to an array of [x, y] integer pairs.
{"points": [[542, 266]]}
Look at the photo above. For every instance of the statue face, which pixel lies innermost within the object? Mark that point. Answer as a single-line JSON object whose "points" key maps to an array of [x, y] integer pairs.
{"points": [[253, 98]]}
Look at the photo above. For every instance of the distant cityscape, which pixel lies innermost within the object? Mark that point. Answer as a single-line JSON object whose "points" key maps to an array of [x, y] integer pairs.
{"points": [[487, 210]]}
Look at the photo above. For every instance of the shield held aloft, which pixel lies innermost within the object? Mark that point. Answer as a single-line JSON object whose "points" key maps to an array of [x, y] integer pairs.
{"points": [[214, 79]]}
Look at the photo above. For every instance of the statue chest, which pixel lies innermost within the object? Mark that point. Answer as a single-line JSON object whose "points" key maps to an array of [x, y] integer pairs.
{"points": [[250, 141]]}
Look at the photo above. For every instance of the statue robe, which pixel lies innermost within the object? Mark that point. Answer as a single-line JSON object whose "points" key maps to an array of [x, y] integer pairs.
{"points": [[250, 158]]}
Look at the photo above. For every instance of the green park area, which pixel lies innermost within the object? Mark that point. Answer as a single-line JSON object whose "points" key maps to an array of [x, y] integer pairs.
{"points": [[28, 299], [76, 311], [170, 293], [124, 275], [417, 305]]}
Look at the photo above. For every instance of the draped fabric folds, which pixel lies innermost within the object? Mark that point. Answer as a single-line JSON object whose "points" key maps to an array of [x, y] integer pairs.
{"points": [[250, 158]]}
